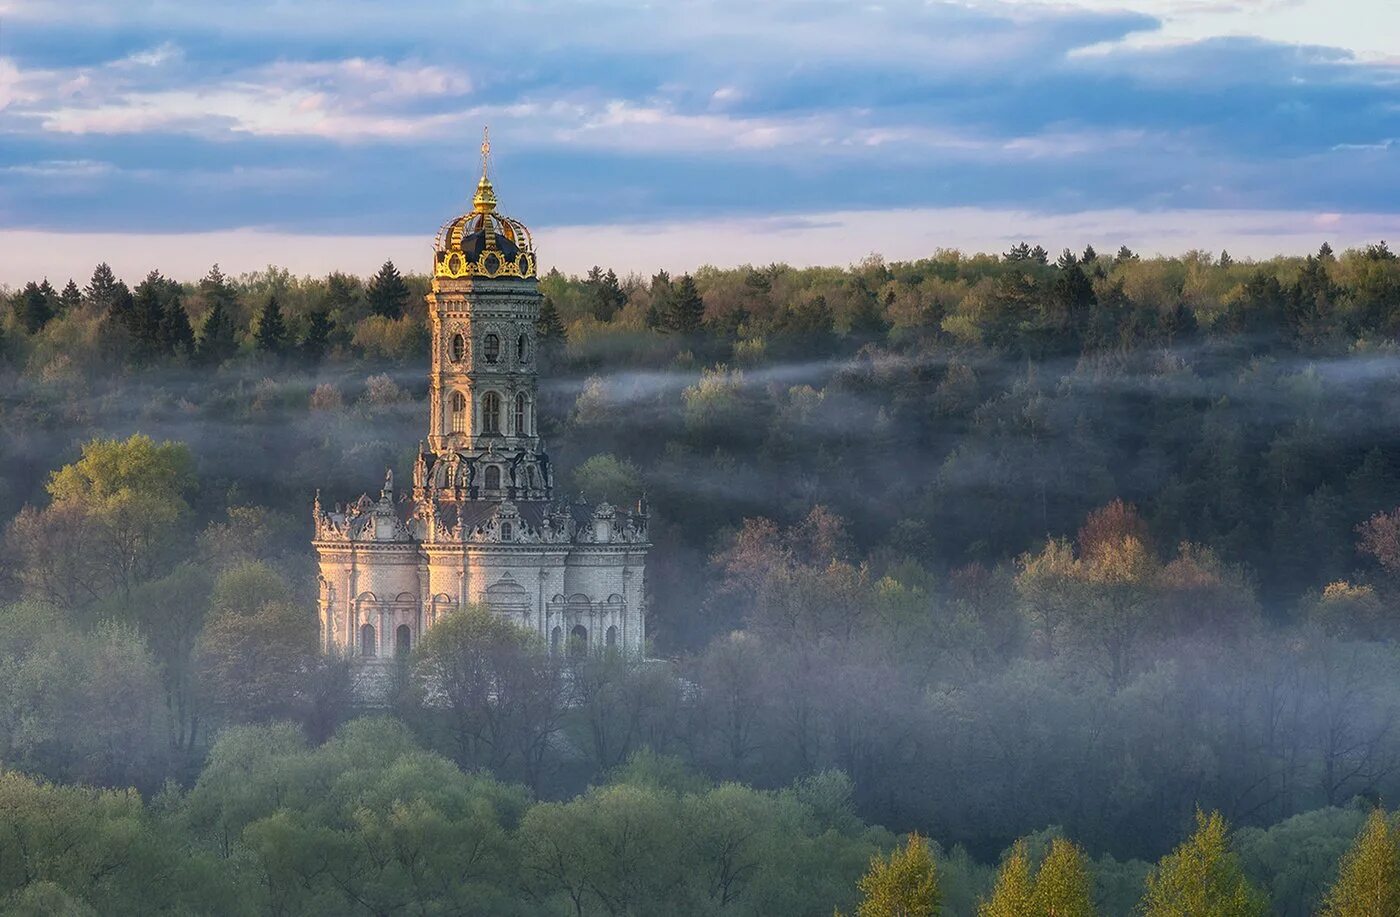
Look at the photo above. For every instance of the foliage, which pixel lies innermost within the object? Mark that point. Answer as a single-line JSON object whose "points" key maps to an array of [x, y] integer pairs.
{"points": [[1202, 878]]}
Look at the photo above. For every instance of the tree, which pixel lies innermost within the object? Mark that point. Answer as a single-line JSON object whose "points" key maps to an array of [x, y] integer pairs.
{"points": [[607, 477], [905, 885], [1014, 890], [146, 319], [1202, 878], [33, 307], [661, 292], [387, 294], [686, 310], [317, 338], [217, 338], [1063, 886], [70, 299], [342, 296], [603, 294], [104, 293], [549, 326], [177, 337], [271, 336], [1368, 879]]}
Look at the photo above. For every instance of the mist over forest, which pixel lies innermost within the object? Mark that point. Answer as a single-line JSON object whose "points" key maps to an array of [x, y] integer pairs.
{"points": [[1078, 560]]}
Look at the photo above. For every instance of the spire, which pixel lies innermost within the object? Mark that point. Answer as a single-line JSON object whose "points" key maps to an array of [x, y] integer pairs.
{"points": [[485, 199]]}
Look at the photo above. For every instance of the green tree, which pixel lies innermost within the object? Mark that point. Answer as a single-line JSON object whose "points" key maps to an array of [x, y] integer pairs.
{"points": [[1368, 879], [271, 334], [33, 307], [70, 299], [549, 327], [218, 339], [387, 294], [607, 477], [146, 319], [104, 293], [317, 338], [603, 294], [1202, 878], [905, 885], [686, 310], [1014, 891], [1063, 886], [176, 335]]}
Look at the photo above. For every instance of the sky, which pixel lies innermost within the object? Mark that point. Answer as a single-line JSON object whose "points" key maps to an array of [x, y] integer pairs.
{"points": [[639, 135]]}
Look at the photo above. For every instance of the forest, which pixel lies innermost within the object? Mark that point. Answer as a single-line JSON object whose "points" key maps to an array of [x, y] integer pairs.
{"points": [[993, 584]]}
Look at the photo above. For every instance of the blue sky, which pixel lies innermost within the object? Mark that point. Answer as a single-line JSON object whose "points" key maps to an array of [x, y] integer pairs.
{"points": [[318, 134]]}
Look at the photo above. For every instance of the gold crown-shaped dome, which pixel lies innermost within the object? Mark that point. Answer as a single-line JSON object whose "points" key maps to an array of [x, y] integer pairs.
{"points": [[483, 243]]}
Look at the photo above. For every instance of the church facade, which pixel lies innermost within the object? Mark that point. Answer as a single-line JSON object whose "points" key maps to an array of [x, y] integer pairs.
{"points": [[480, 523]]}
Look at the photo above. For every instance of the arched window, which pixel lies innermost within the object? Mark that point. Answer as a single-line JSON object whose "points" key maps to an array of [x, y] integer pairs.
{"points": [[493, 477], [490, 413], [533, 476], [520, 415], [554, 637], [612, 636], [578, 640], [403, 638], [522, 354], [459, 348], [367, 647], [459, 412], [507, 531], [491, 348]]}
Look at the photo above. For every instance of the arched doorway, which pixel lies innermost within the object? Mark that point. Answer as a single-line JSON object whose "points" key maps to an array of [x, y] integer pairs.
{"points": [[403, 640], [612, 636], [578, 640], [367, 644]]}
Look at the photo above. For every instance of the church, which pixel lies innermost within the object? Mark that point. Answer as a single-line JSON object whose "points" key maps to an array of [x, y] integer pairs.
{"points": [[480, 523]]}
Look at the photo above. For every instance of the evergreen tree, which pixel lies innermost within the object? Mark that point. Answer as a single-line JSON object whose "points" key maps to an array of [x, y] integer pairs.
{"points": [[1089, 256], [1324, 252], [217, 338], [603, 294], [905, 885], [387, 294], [103, 293], [549, 327], [1125, 254], [687, 309], [1039, 255], [317, 339], [1021, 251], [868, 319], [271, 336], [342, 294], [176, 335], [1225, 259], [71, 298], [33, 307], [146, 318], [661, 295], [1368, 879], [1063, 886], [1013, 892], [1202, 878], [215, 291]]}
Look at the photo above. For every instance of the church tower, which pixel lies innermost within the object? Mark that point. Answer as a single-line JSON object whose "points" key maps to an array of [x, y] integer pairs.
{"points": [[483, 443], [481, 525]]}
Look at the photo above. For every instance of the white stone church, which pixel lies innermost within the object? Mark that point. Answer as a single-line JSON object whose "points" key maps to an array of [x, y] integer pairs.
{"points": [[480, 523]]}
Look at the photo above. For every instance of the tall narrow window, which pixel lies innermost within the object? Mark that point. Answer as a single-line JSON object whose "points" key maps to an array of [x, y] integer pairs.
{"points": [[403, 639], [367, 647], [490, 413], [459, 412], [520, 415], [493, 477], [459, 348], [521, 355], [491, 349], [578, 641]]}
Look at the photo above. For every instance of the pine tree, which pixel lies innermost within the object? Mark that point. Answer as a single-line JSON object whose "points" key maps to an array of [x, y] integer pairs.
{"points": [[1013, 892], [146, 317], [687, 308], [271, 336], [905, 885], [215, 292], [176, 335], [1202, 878], [1325, 252], [662, 292], [1063, 886], [1039, 255], [1225, 259], [217, 338], [33, 307], [342, 293], [317, 339], [1125, 254], [1368, 879], [1089, 256], [387, 294], [104, 291], [70, 299], [868, 319], [1021, 251], [549, 327], [1066, 260], [604, 294]]}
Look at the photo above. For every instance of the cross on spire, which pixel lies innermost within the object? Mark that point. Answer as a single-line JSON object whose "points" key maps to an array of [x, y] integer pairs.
{"points": [[485, 148]]}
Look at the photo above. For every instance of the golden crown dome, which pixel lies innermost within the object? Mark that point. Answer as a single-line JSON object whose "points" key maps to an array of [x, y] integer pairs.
{"points": [[483, 243]]}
